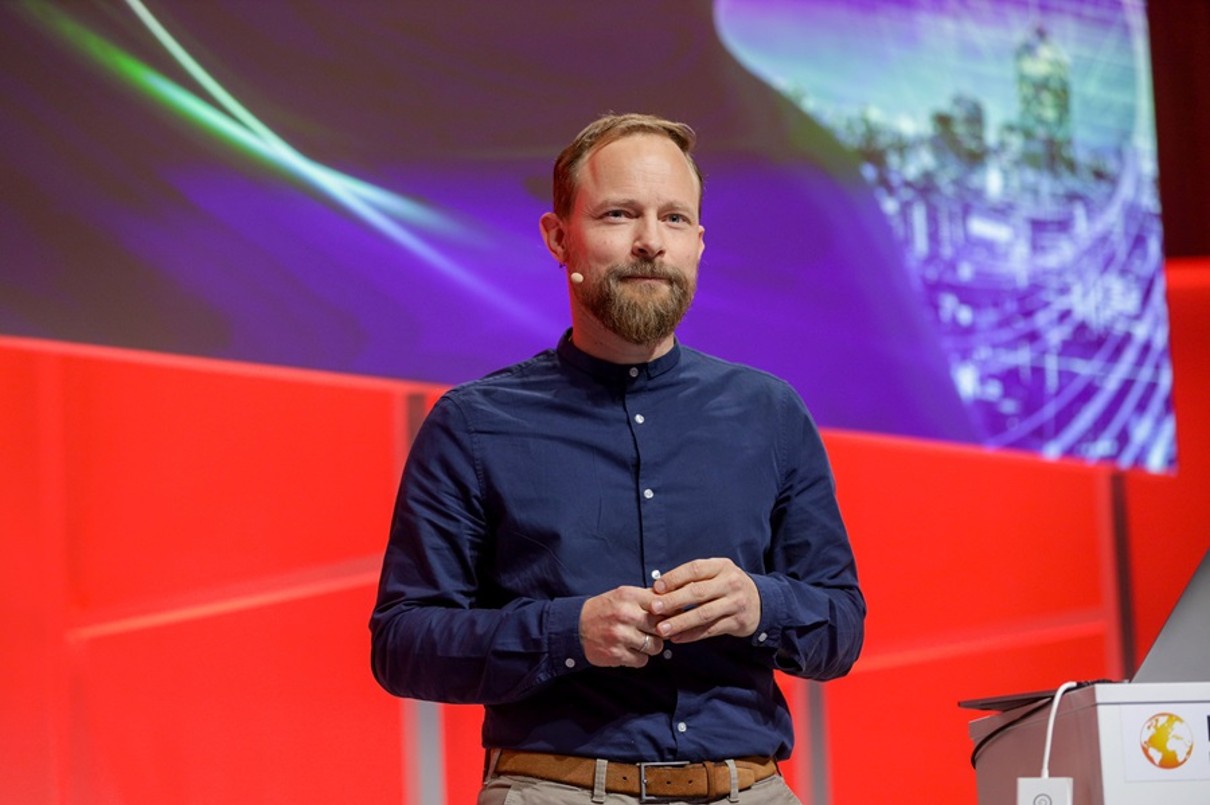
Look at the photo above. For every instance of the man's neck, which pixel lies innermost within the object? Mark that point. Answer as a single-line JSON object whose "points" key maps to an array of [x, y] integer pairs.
{"points": [[592, 338]]}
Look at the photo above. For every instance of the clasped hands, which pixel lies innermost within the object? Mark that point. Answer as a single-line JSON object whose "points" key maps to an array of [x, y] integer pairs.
{"points": [[704, 598]]}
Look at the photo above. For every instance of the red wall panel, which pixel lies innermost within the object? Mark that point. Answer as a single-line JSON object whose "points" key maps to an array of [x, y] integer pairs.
{"points": [[1169, 516], [197, 548], [953, 541], [268, 704], [897, 736], [985, 573], [185, 477], [33, 685], [463, 749]]}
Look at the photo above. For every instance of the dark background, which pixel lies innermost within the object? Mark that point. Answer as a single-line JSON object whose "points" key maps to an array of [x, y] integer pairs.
{"points": [[1180, 54]]}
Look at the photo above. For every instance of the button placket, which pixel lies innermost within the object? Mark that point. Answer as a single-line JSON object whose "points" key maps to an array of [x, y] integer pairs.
{"points": [[636, 401]]}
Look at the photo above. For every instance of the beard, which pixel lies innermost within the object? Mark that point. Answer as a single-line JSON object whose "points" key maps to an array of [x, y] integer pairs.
{"points": [[639, 314]]}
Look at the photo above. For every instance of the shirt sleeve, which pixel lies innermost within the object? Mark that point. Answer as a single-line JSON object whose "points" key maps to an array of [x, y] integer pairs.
{"points": [[431, 638], [812, 610]]}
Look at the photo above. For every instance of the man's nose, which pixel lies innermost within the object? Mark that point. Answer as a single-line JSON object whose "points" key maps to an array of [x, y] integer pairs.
{"points": [[648, 239]]}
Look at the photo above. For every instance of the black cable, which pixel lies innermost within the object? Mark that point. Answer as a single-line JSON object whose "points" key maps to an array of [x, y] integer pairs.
{"points": [[1034, 709], [996, 732]]}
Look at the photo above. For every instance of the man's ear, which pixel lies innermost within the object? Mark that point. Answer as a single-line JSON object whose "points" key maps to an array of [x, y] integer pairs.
{"points": [[554, 235]]}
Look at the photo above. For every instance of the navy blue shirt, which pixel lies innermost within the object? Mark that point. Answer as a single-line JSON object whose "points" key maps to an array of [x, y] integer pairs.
{"points": [[564, 476]]}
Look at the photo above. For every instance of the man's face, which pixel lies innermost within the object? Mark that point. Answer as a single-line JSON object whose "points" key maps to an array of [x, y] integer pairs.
{"points": [[633, 234]]}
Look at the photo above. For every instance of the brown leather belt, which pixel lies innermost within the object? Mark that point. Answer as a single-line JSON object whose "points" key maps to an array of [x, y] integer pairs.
{"points": [[682, 780]]}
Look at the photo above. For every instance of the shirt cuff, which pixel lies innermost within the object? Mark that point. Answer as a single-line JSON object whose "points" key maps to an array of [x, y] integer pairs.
{"points": [[772, 613], [563, 644]]}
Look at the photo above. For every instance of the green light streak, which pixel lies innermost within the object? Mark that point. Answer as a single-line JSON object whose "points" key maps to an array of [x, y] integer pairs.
{"points": [[216, 90], [241, 129]]}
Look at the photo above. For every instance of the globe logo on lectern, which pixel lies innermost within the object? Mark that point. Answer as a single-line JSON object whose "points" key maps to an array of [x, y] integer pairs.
{"points": [[1166, 741]]}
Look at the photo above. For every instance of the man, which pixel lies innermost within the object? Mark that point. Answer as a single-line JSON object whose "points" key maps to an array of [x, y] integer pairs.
{"points": [[614, 544]]}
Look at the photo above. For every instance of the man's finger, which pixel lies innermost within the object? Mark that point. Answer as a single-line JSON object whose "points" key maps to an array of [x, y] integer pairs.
{"points": [[701, 617], [695, 570]]}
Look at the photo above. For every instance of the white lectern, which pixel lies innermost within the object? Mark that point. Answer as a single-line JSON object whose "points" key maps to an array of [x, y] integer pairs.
{"points": [[1122, 743]]}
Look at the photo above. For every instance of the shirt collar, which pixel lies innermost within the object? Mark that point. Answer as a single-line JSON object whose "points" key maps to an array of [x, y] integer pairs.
{"points": [[616, 372]]}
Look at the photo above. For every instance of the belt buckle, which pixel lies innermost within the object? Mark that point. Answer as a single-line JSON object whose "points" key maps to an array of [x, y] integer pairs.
{"points": [[643, 795]]}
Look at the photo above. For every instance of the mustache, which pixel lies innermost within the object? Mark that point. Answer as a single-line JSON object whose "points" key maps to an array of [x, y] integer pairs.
{"points": [[645, 268]]}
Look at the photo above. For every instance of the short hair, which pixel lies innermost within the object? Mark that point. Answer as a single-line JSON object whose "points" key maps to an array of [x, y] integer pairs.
{"points": [[605, 130]]}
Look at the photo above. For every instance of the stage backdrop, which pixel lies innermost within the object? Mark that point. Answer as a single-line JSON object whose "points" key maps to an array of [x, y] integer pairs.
{"points": [[934, 219]]}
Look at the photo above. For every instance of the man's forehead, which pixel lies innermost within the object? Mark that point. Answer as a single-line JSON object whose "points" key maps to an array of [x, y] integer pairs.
{"points": [[635, 156], [633, 145]]}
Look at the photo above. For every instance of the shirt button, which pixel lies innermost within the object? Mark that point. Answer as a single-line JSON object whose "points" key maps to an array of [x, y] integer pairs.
{"points": [[634, 371], [668, 654], [655, 574], [647, 493], [762, 637], [570, 662], [640, 418], [681, 726]]}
